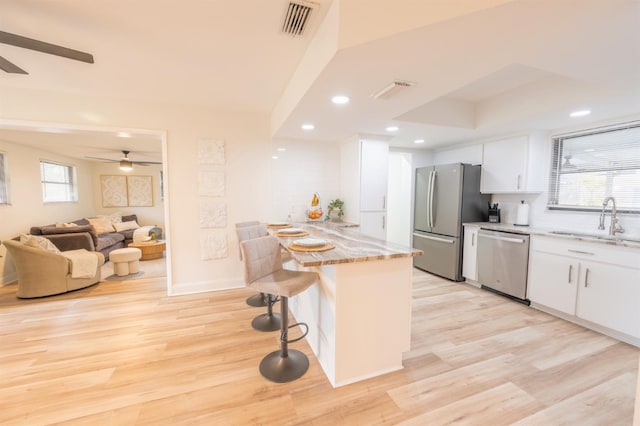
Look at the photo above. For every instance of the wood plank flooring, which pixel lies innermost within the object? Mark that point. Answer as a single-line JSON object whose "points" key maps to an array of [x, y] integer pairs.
{"points": [[123, 353]]}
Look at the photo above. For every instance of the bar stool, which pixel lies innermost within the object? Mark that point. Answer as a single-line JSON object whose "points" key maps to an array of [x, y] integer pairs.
{"points": [[263, 272], [271, 320], [257, 300]]}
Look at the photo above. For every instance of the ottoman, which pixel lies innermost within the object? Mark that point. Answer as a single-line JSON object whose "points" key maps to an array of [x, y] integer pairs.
{"points": [[125, 261]]}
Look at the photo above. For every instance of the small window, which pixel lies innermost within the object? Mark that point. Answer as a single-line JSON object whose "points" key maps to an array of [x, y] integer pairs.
{"points": [[592, 165], [58, 182], [4, 181]]}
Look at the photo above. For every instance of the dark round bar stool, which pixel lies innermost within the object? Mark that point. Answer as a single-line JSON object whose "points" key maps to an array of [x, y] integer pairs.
{"points": [[264, 272]]}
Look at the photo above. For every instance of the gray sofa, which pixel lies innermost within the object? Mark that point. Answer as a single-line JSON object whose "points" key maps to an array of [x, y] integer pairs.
{"points": [[84, 236]]}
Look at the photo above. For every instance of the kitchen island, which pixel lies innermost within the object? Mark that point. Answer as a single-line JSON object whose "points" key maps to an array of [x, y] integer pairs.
{"points": [[359, 313]]}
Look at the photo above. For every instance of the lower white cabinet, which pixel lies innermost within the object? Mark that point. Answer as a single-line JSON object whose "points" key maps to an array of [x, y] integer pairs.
{"points": [[553, 281], [609, 295], [374, 224], [470, 252], [595, 282]]}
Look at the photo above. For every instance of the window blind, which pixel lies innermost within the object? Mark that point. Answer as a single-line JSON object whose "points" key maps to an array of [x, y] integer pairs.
{"points": [[58, 182], [589, 166]]}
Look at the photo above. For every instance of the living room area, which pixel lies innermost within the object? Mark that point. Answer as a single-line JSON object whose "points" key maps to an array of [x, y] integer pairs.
{"points": [[73, 187]]}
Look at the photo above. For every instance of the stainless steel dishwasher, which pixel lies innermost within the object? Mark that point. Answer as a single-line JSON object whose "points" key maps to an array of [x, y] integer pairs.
{"points": [[503, 259]]}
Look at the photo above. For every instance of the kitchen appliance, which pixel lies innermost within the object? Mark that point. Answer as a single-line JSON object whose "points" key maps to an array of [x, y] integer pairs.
{"points": [[494, 213], [503, 259], [445, 197], [522, 214]]}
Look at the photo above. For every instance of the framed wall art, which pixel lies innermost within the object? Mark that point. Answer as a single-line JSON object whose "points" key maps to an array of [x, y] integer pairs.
{"points": [[140, 191], [114, 190]]}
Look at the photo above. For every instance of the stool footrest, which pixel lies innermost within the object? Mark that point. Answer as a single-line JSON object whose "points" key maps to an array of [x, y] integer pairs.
{"points": [[306, 331]]}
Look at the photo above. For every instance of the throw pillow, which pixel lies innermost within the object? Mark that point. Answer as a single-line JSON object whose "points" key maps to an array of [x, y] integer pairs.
{"points": [[102, 225], [113, 217], [65, 225], [38, 242], [125, 226]]}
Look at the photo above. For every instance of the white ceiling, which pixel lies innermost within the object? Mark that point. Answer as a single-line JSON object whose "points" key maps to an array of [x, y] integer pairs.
{"points": [[508, 66]]}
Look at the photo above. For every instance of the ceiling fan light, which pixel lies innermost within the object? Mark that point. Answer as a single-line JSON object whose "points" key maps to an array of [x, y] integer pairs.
{"points": [[126, 165]]}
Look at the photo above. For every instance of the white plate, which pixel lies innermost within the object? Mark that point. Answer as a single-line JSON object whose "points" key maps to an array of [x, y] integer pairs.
{"points": [[310, 242], [290, 230], [278, 223]]}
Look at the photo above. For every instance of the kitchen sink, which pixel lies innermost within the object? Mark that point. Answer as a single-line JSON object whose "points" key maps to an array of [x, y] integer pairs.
{"points": [[597, 236]]}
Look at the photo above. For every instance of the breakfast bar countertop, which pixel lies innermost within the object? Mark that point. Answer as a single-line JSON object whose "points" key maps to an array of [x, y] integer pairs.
{"points": [[351, 246]]}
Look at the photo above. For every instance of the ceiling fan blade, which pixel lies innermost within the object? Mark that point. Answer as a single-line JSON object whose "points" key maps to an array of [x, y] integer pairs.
{"points": [[41, 46], [103, 159], [10, 67], [145, 163]]}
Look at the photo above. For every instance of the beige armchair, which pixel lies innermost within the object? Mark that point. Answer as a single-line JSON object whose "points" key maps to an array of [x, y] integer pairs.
{"points": [[43, 273]]}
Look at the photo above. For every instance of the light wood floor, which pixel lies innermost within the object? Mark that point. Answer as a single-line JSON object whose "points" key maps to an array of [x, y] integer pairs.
{"points": [[123, 353]]}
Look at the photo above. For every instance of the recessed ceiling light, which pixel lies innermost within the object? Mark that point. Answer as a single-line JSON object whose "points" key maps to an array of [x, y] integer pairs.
{"points": [[275, 157], [281, 149], [580, 113], [589, 150], [123, 134], [419, 141], [392, 128], [308, 126], [340, 99]]}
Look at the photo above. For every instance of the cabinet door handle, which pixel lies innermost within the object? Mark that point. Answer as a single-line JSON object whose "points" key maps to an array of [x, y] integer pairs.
{"points": [[473, 240], [580, 252], [586, 278], [518, 182], [384, 202], [383, 222], [570, 270]]}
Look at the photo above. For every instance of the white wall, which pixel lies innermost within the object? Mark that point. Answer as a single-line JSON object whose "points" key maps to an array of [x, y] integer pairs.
{"points": [[302, 170], [400, 197], [153, 215], [25, 191], [250, 175]]}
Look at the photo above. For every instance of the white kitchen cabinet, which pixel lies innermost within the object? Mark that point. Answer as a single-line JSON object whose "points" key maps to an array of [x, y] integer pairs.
{"points": [[374, 175], [374, 224], [513, 165], [470, 252], [365, 169], [553, 281], [609, 295], [595, 282]]}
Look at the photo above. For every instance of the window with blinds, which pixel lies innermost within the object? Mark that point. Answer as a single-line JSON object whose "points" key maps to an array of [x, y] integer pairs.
{"points": [[592, 165], [4, 184], [58, 182]]}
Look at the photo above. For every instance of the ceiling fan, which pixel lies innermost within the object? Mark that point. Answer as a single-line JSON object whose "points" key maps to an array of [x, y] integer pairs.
{"points": [[126, 164], [40, 46]]}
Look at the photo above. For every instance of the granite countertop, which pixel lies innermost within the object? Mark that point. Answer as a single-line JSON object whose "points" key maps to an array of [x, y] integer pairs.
{"points": [[351, 246], [603, 238]]}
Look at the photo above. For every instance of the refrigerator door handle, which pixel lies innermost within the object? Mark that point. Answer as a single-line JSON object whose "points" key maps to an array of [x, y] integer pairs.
{"points": [[442, 240], [432, 185], [429, 199]]}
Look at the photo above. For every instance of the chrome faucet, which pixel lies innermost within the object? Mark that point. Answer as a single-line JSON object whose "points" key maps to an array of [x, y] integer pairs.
{"points": [[614, 226]]}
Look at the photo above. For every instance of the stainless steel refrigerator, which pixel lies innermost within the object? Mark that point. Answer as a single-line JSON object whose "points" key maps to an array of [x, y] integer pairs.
{"points": [[446, 197]]}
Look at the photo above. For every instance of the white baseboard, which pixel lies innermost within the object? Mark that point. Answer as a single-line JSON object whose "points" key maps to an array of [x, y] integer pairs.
{"points": [[9, 279]]}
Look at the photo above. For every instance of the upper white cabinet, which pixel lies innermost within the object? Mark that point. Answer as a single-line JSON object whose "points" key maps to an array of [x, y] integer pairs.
{"points": [[514, 165], [470, 252], [374, 175], [595, 282]]}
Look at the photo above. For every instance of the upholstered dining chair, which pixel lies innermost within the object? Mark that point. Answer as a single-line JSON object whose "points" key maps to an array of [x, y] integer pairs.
{"points": [[257, 300], [263, 272], [269, 321]]}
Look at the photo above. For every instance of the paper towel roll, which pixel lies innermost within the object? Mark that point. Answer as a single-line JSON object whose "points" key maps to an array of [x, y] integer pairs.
{"points": [[522, 214]]}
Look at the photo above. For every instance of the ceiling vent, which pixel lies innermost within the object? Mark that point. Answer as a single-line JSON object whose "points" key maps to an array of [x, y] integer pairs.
{"points": [[391, 89], [296, 17]]}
